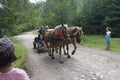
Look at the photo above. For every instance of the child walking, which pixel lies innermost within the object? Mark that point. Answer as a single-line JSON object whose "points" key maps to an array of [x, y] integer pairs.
{"points": [[7, 57], [108, 38]]}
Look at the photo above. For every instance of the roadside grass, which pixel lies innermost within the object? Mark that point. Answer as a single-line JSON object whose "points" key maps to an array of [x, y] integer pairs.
{"points": [[35, 32], [98, 41], [20, 52]]}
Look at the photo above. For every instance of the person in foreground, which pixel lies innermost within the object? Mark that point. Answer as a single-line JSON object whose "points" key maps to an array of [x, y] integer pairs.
{"points": [[7, 57], [108, 38]]}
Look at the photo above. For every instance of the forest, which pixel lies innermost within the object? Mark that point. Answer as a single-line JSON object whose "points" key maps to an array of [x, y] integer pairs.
{"points": [[17, 16]]}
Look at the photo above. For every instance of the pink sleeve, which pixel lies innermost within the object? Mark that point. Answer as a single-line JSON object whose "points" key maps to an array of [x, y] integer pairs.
{"points": [[14, 74], [22, 75]]}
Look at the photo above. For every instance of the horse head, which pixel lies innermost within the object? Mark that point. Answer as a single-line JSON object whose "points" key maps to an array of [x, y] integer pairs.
{"points": [[66, 35], [61, 31], [78, 33]]}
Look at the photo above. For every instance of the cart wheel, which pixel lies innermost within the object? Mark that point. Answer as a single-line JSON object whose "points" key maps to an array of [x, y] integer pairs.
{"points": [[38, 46], [34, 45]]}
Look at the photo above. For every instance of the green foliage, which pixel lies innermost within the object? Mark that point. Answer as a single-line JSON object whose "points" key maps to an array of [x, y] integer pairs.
{"points": [[35, 32], [20, 52], [55, 12], [14, 17], [94, 15], [98, 14]]}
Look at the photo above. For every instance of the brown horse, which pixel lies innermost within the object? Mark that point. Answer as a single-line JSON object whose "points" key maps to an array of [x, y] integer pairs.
{"points": [[46, 38], [57, 38], [75, 35]]}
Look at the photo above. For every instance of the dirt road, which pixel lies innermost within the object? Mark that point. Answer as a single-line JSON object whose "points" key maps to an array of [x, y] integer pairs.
{"points": [[86, 64]]}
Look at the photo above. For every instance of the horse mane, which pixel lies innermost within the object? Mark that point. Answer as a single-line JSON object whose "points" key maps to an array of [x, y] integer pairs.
{"points": [[59, 26], [77, 27], [80, 28], [72, 28], [50, 29], [57, 29]]}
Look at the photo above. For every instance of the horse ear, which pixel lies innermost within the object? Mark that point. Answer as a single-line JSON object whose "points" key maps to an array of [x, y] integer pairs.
{"points": [[66, 25], [81, 27], [62, 25]]}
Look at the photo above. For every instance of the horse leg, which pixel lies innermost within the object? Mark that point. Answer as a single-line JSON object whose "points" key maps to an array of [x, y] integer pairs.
{"points": [[60, 56], [75, 47], [52, 55], [68, 51], [49, 48], [56, 49], [64, 50]]}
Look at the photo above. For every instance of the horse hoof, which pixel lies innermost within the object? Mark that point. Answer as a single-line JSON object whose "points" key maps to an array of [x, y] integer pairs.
{"points": [[56, 51], [49, 54], [65, 53], [61, 62], [72, 53], [52, 58], [69, 56]]}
